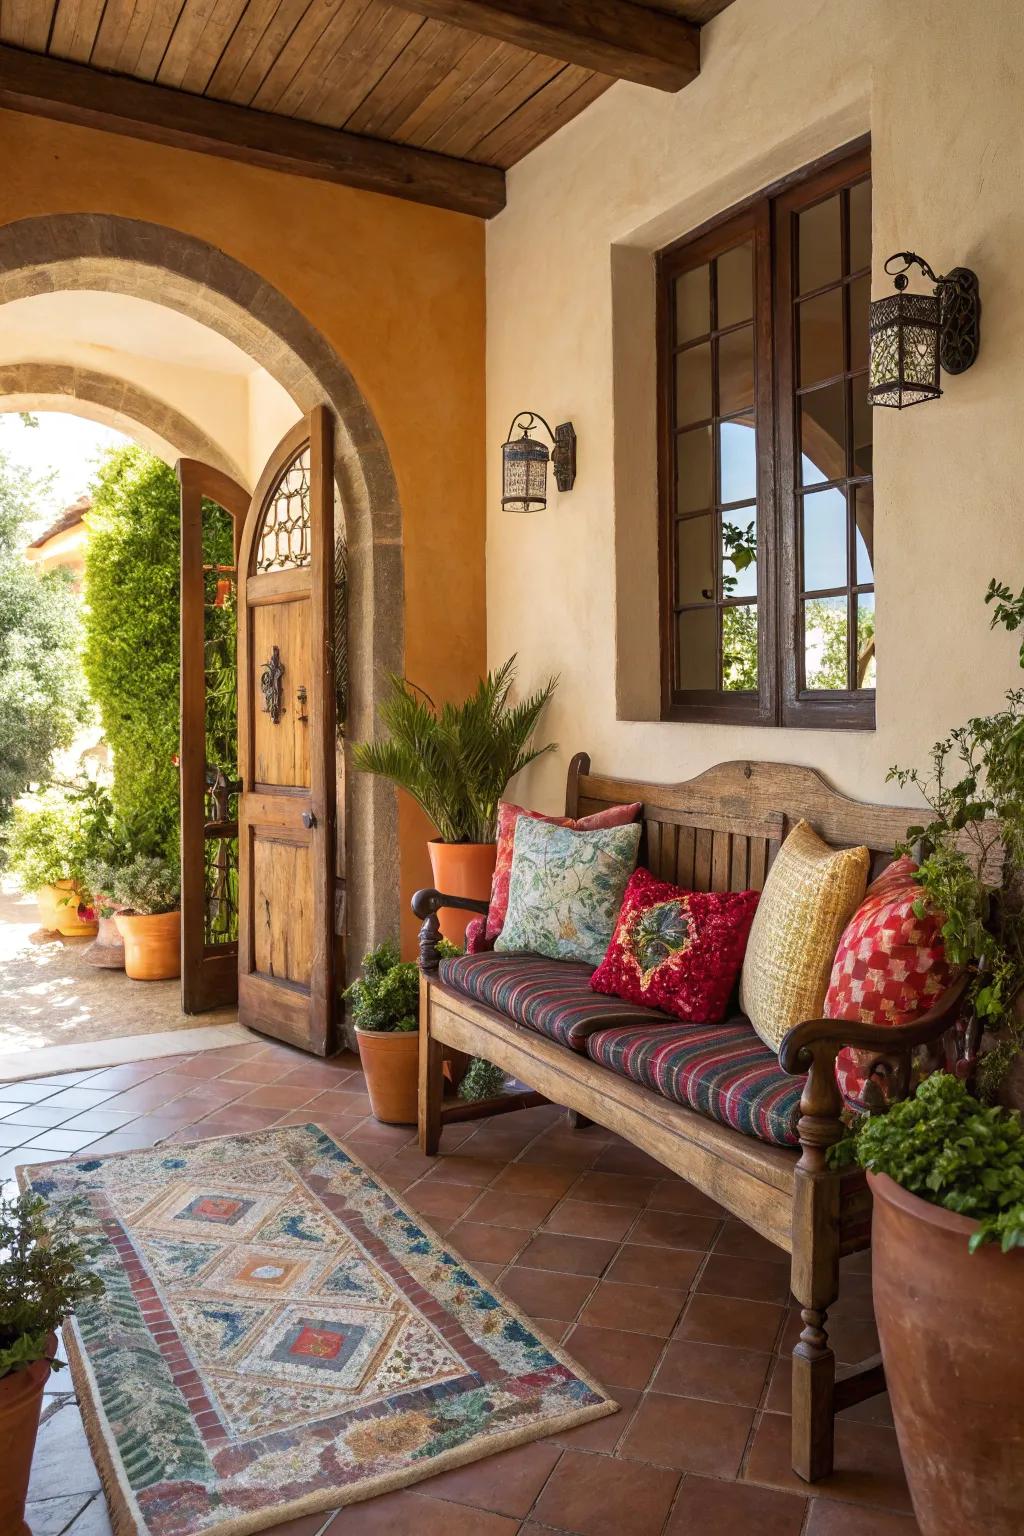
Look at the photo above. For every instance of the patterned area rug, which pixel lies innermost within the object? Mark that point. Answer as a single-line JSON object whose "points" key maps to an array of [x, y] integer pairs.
{"points": [[279, 1335]]}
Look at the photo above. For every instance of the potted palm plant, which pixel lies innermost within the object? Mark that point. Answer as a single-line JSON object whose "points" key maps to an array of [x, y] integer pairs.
{"points": [[456, 761], [42, 1281], [147, 892]]}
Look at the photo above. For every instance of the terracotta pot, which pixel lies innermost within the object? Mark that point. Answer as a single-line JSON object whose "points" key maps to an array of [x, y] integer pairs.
{"points": [[152, 945], [69, 924], [953, 1347], [21, 1401], [47, 897], [391, 1066], [461, 869], [107, 949]]}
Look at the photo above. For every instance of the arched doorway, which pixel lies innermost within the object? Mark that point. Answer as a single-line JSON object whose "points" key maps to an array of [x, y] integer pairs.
{"points": [[112, 254]]}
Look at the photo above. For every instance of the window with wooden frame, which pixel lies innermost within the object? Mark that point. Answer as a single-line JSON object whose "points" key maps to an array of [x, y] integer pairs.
{"points": [[766, 548]]}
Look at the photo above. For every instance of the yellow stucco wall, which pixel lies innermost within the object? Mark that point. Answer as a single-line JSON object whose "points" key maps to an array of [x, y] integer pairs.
{"points": [[396, 289], [570, 265]]}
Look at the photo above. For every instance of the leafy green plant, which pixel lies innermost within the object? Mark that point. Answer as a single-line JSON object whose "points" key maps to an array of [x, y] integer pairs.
{"points": [[386, 996], [54, 836], [147, 885], [482, 1080], [972, 857], [953, 1151], [43, 1278], [456, 760]]}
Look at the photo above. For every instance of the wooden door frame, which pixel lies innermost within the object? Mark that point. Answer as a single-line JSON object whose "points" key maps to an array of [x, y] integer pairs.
{"points": [[207, 980], [317, 428]]}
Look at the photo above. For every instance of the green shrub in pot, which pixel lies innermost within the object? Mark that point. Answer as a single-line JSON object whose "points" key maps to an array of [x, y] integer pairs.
{"points": [[147, 885]]}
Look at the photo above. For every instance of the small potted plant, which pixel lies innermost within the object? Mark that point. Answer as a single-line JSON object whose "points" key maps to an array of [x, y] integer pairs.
{"points": [[49, 842], [385, 1012], [42, 1281], [456, 761], [107, 949], [947, 1176], [147, 892]]}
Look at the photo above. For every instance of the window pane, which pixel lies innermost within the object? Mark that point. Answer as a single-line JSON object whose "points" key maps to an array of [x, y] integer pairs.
{"points": [[693, 384], [819, 245], [860, 226], [697, 648], [866, 640], [695, 559], [737, 448], [735, 286], [864, 513], [825, 643], [736, 371], [694, 470], [823, 434], [824, 534], [693, 304], [863, 424], [821, 337], [860, 302], [739, 554], [739, 649]]}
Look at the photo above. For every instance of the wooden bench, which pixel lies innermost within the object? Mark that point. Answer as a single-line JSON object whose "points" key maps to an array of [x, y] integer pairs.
{"points": [[719, 831]]}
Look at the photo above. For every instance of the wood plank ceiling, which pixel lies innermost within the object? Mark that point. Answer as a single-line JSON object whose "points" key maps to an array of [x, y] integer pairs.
{"points": [[373, 69]]}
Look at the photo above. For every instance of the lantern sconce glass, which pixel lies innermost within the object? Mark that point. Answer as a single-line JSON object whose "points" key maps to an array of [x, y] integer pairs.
{"points": [[524, 463], [916, 335]]}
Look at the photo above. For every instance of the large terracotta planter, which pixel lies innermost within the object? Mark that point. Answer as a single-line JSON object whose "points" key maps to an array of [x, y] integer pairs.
{"points": [[953, 1347], [390, 1061], [461, 869], [152, 945], [107, 949], [21, 1400]]}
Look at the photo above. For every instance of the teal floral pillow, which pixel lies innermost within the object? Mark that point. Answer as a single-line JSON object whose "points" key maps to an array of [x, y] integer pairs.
{"points": [[565, 889]]}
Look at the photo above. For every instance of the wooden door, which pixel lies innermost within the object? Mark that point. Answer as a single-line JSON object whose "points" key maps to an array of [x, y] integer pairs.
{"points": [[209, 830], [286, 730]]}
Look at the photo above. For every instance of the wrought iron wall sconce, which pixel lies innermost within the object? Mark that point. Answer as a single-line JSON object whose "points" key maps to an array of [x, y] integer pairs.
{"points": [[915, 335], [524, 463]]}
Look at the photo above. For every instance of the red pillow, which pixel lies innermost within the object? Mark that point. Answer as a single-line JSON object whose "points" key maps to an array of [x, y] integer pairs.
{"points": [[890, 968], [680, 951], [508, 815]]}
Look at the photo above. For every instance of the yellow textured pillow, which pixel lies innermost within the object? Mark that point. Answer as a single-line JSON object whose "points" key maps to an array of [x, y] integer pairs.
{"points": [[810, 895]]}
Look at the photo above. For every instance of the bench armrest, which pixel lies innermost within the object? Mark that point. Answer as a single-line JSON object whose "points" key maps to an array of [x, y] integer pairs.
{"points": [[426, 904]]}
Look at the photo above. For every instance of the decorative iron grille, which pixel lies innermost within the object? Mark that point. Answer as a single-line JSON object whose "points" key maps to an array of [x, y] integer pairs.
{"points": [[284, 541]]}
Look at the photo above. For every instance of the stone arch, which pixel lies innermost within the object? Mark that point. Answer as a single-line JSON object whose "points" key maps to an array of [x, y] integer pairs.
{"points": [[103, 397], [151, 261]]}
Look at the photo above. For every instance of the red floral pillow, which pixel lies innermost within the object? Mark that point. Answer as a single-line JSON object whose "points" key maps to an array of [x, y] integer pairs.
{"points": [[680, 951], [890, 968], [508, 815]]}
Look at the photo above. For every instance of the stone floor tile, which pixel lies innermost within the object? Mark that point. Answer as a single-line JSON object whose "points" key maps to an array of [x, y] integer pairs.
{"points": [[507, 1484], [637, 1265], [40, 1115], [723, 1320], [614, 1189], [73, 1099], [867, 1463], [482, 1244], [597, 1495], [511, 1210], [710, 1507], [585, 1219], [571, 1255], [529, 1179], [714, 1371], [446, 1202], [409, 1512], [455, 1169], [613, 1357], [647, 1309], [689, 1433], [750, 1279], [602, 1434], [675, 1229], [51, 1517], [93, 1521], [741, 1242], [57, 1139], [677, 1195], [62, 1464], [828, 1518], [545, 1293]]}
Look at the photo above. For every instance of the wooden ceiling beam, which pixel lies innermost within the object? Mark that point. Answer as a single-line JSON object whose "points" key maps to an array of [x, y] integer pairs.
{"points": [[74, 93], [613, 37]]}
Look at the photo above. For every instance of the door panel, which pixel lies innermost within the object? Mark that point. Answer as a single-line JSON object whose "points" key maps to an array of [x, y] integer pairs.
{"points": [[209, 831], [286, 952]]}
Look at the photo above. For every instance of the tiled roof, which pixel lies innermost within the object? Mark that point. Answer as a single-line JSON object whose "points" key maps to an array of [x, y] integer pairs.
{"points": [[69, 518]]}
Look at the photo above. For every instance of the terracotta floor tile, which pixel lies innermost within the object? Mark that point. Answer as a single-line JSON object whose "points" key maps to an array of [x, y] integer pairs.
{"points": [[277, 1096], [207, 1064], [559, 1155], [490, 1245], [602, 1434], [544, 1293], [572, 1255], [828, 1518], [723, 1320], [630, 1190], [714, 1371], [507, 1483], [707, 1507], [636, 1265], [626, 1159], [634, 1308], [409, 1161], [348, 1100], [853, 1339], [456, 1169], [675, 1229], [613, 1357], [318, 1075], [586, 1219], [412, 1513], [528, 1179], [751, 1279], [447, 1202], [509, 1210], [867, 1463], [598, 1495], [236, 1118], [738, 1240], [310, 1525], [677, 1195], [689, 1433]]}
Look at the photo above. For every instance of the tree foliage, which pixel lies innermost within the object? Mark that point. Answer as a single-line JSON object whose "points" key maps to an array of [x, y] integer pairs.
{"points": [[42, 691]]}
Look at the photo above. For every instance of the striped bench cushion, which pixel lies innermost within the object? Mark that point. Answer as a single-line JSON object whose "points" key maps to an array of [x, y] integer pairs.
{"points": [[552, 997], [722, 1070]]}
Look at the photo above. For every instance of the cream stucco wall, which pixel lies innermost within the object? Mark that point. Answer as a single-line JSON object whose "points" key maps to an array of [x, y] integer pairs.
{"points": [[570, 334]]}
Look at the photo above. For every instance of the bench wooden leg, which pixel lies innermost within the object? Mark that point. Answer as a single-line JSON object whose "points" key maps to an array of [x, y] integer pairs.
{"points": [[431, 1085], [815, 1286], [576, 1121]]}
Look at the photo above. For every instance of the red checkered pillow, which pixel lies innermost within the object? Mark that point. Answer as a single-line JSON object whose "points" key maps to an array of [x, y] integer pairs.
{"points": [[889, 969], [677, 950], [508, 815]]}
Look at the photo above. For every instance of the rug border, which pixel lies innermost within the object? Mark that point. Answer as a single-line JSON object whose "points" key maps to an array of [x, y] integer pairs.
{"points": [[126, 1518]]}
